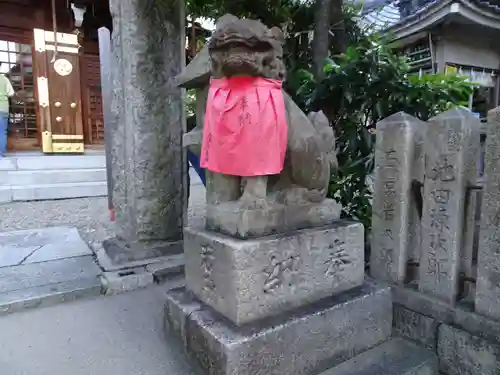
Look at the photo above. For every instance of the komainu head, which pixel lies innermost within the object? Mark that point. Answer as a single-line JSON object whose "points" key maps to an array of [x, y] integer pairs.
{"points": [[244, 47]]}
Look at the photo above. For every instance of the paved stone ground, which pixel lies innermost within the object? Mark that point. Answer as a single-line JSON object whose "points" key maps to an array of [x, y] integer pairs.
{"points": [[45, 266], [115, 335], [40, 245], [118, 335], [44, 261], [89, 215]]}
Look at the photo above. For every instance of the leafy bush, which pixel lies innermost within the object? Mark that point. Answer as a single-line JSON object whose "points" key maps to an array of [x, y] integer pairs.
{"points": [[361, 87]]}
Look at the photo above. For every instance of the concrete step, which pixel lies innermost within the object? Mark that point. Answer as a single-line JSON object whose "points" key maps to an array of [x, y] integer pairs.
{"points": [[44, 162], [55, 191], [51, 176], [7, 164], [394, 357], [5, 194]]}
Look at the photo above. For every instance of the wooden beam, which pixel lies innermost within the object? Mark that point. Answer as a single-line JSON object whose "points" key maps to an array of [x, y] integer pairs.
{"points": [[16, 16], [16, 2]]}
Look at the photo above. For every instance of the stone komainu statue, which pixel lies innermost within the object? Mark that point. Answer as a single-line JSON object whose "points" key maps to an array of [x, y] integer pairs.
{"points": [[241, 47]]}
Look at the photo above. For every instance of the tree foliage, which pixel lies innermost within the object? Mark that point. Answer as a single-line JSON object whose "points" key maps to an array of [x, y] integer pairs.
{"points": [[271, 12], [361, 87]]}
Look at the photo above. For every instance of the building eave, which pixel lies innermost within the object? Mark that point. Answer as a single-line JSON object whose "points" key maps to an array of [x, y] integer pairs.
{"points": [[437, 12], [421, 20], [409, 39], [479, 15]]}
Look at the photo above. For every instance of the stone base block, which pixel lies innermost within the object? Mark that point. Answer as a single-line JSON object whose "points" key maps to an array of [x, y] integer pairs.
{"points": [[121, 282], [416, 327], [246, 280], [121, 252], [465, 342], [160, 266], [231, 219], [128, 276], [394, 357], [460, 316], [462, 353], [309, 340]]}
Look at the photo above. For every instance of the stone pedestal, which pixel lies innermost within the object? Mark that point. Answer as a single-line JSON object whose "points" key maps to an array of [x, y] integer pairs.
{"points": [[307, 341], [293, 303], [148, 162], [254, 279]]}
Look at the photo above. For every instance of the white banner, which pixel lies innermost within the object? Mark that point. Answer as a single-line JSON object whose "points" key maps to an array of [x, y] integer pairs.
{"points": [[486, 79]]}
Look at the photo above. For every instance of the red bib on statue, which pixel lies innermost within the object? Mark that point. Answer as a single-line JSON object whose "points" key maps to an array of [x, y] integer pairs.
{"points": [[245, 130]]}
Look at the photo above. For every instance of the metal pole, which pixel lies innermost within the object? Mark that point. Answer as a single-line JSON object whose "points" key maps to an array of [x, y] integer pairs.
{"points": [[106, 89]]}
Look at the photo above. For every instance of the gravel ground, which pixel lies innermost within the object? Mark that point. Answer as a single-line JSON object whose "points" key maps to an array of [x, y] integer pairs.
{"points": [[89, 215]]}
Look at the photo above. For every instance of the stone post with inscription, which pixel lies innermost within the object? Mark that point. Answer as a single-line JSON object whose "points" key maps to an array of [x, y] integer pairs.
{"points": [[488, 268], [452, 149], [395, 225], [148, 161], [277, 286]]}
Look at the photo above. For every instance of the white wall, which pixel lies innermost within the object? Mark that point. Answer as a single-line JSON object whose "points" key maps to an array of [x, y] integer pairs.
{"points": [[461, 45]]}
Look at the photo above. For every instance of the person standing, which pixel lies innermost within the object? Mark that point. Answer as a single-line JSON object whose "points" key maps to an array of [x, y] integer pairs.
{"points": [[6, 92]]}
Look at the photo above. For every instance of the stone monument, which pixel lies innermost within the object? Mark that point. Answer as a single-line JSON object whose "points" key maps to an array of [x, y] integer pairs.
{"points": [[146, 128], [144, 154], [275, 281]]}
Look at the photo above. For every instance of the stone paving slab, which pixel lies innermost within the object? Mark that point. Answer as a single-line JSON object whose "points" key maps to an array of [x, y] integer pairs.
{"points": [[15, 255], [40, 245], [43, 267], [49, 295], [59, 251], [53, 272]]}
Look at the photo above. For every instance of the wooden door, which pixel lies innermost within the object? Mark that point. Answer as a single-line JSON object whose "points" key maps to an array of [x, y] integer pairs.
{"points": [[59, 94], [16, 56], [93, 117]]}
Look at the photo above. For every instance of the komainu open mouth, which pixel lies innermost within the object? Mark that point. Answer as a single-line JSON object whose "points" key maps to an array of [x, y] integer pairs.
{"points": [[236, 41]]}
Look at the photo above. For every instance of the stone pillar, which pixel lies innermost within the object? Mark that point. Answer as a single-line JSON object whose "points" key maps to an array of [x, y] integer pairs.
{"points": [[451, 151], [488, 264], [395, 223], [148, 163], [107, 95]]}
